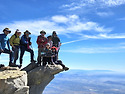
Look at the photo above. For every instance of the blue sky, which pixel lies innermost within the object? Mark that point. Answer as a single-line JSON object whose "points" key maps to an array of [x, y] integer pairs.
{"points": [[92, 31]]}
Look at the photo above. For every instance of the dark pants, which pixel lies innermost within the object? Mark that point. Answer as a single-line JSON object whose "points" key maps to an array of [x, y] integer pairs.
{"points": [[23, 49], [47, 59], [54, 58], [6, 51], [16, 53], [59, 62], [39, 55]]}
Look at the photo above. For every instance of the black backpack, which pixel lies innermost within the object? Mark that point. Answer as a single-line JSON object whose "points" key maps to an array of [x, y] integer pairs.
{"points": [[15, 36]]}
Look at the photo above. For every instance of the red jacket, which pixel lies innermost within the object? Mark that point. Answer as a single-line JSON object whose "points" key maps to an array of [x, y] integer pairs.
{"points": [[41, 41]]}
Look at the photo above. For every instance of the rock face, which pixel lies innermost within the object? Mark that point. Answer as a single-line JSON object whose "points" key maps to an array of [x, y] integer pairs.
{"points": [[13, 81], [30, 80], [40, 77]]}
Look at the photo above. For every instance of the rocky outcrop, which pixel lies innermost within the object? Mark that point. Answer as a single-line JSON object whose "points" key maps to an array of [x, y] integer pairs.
{"points": [[40, 77], [13, 81], [30, 80]]}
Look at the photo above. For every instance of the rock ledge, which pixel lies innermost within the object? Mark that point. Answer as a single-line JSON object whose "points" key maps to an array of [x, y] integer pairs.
{"points": [[30, 80]]}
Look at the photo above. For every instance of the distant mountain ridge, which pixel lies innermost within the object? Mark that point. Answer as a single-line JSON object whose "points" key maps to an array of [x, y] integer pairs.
{"points": [[87, 82]]}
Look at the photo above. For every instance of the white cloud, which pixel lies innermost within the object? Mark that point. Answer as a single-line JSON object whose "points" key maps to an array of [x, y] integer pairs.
{"points": [[92, 3], [77, 7], [73, 17], [60, 19], [34, 26], [74, 6], [104, 14], [114, 2], [78, 26], [93, 50], [105, 36], [73, 24]]}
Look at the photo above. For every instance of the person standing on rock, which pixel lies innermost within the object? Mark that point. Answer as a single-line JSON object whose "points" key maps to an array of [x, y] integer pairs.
{"points": [[4, 40], [56, 41], [25, 46], [15, 43], [41, 41]]}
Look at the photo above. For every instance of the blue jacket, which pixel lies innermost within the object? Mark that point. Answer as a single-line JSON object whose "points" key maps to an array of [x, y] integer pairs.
{"points": [[4, 40], [24, 41]]}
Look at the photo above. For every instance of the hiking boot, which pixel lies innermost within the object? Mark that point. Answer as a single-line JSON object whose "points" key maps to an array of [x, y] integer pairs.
{"points": [[19, 66], [66, 68], [10, 63], [13, 65]]}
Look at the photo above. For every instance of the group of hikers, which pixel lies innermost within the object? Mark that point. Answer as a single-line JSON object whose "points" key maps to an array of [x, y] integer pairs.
{"points": [[48, 48]]}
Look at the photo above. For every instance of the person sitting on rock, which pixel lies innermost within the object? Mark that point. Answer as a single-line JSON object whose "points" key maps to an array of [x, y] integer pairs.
{"points": [[54, 53], [15, 43], [47, 57], [50, 41], [25, 46], [41, 41], [54, 57], [4, 40]]}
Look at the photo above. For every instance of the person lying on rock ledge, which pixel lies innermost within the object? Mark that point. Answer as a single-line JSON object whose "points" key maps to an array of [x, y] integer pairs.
{"points": [[55, 60]]}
